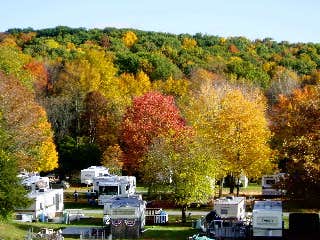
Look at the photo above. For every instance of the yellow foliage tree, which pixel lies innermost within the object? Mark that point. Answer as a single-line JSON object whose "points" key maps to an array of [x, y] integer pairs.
{"points": [[189, 43], [135, 85], [174, 87], [112, 159], [242, 134], [129, 38], [233, 125]]}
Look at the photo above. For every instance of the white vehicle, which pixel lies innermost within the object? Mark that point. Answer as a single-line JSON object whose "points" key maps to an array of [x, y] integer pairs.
{"points": [[88, 174], [112, 186], [46, 204], [244, 181], [230, 207], [35, 182], [269, 182], [125, 216], [267, 219]]}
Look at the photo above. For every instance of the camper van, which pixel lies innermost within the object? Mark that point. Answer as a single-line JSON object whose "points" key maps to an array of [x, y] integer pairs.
{"points": [[125, 216], [230, 207], [267, 219], [269, 183], [111, 186], [88, 174]]}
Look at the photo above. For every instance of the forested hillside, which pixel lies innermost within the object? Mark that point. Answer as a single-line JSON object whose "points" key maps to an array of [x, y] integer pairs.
{"points": [[146, 102]]}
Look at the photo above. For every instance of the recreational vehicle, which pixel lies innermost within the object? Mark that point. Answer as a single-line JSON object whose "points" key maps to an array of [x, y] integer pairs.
{"points": [[46, 204], [230, 207], [125, 216], [88, 174], [267, 219], [35, 182], [269, 184], [112, 186]]}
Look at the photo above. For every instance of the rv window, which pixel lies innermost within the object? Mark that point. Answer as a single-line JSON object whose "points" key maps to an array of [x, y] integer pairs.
{"points": [[224, 211], [108, 190], [270, 181]]}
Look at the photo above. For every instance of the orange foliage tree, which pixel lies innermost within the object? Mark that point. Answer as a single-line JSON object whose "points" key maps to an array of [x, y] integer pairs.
{"points": [[27, 123], [296, 128]]}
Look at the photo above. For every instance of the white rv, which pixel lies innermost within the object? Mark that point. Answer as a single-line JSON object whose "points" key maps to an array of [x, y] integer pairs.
{"points": [[112, 186], [267, 219], [46, 204], [269, 183], [125, 216], [230, 207], [88, 174], [35, 182]]}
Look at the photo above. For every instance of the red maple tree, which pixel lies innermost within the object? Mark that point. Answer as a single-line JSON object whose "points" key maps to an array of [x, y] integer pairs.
{"points": [[150, 116]]}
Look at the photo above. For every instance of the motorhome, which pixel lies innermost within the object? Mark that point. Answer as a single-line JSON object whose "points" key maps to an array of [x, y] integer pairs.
{"points": [[112, 186], [125, 216], [267, 219], [230, 207], [88, 174], [269, 184]]}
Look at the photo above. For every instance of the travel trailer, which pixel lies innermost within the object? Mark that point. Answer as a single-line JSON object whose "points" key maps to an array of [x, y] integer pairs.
{"points": [[230, 207], [269, 183], [112, 186], [35, 182], [88, 174], [46, 204], [125, 216], [267, 219]]}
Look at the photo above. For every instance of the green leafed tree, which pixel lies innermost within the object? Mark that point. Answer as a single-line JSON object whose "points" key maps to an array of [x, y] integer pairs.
{"points": [[178, 163], [12, 193]]}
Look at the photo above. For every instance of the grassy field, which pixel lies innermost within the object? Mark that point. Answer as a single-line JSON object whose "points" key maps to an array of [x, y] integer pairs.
{"points": [[18, 231]]}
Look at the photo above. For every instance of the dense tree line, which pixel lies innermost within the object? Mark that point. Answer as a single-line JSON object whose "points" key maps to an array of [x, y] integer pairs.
{"points": [[140, 102]]}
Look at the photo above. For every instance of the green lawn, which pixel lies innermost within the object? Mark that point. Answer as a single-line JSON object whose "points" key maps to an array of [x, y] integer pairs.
{"points": [[18, 231]]}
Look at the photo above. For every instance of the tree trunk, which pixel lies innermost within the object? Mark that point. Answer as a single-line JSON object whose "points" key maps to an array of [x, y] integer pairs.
{"points": [[231, 184], [220, 187], [184, 216]]}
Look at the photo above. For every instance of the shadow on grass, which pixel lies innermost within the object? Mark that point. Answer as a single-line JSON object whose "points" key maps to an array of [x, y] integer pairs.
{"points": [[170, 231]]}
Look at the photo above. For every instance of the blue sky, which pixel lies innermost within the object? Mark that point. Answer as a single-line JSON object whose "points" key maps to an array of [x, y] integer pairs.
{"points": [[281, 20]]}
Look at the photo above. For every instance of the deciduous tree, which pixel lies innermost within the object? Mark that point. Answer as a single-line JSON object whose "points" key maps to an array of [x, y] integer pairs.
{"points": [[151, 115], [297, 137], [28, 126], [178, 164], [129, 38], [12, 193], [234, 127]]}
